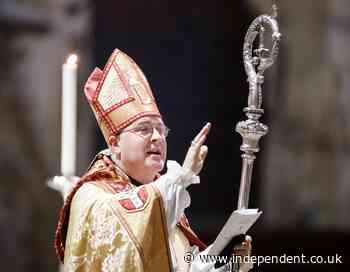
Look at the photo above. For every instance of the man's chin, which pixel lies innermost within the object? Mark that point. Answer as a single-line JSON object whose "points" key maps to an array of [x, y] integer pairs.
{"points": [[156, 165]]}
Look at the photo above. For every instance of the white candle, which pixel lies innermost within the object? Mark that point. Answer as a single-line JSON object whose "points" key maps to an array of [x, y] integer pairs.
{"points": [[69, 116]]}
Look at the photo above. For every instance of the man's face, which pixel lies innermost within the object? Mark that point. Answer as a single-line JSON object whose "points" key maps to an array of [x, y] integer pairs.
{"points": [[143, 147]]}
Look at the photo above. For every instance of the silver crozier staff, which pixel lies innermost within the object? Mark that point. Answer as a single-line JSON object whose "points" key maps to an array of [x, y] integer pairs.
{"points": [[252, 130]]}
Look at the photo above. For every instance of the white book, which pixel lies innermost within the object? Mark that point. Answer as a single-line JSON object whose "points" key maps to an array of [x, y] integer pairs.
{"points": [[239, 222]]}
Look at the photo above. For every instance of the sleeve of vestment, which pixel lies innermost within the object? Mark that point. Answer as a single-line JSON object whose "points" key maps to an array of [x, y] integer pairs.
{"points": [[172, 187]]}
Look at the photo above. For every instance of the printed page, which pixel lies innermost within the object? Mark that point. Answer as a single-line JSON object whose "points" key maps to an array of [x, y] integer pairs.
{"points": [[239, 222]]}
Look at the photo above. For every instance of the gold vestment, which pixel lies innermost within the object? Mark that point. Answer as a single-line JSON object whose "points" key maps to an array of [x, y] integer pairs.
{"points": [[117, 226]]}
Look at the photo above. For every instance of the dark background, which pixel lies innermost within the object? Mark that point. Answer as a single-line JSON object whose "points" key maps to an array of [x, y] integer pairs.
{"points": [[191, 53]]}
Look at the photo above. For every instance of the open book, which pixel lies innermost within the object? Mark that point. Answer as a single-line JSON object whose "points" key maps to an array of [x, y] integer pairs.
{"points": [[239, 222]]}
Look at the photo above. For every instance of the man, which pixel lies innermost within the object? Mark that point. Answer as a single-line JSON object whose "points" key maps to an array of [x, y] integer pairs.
{"points": [[122, 215]]}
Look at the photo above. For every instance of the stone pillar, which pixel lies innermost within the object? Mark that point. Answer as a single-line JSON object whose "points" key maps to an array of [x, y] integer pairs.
{"points": [[339, 60], [35, 37], [41, 71]]}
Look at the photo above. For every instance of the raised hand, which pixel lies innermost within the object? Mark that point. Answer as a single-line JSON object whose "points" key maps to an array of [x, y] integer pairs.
{"points": [[244, 250], [197, 152]]}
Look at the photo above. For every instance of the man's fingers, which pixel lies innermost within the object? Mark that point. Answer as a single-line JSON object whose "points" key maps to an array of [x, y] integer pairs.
{"points": [[203, 152], [202, 139], [204, 131], [197, 152], [248, 239], [244, 248]]}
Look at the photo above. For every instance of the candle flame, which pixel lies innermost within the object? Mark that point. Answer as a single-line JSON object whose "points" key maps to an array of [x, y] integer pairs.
{"points": [[72, 59]]}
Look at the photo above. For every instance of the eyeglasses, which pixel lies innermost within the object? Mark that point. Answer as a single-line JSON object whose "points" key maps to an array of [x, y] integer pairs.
{"points": [[146, 129]]}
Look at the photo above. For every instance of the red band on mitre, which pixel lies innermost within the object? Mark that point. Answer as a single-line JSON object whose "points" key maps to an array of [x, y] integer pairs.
{"points": [[92, 82]]}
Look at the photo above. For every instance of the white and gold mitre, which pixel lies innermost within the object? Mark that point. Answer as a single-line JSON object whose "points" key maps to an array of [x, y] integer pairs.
{"points": [[120, 94]]}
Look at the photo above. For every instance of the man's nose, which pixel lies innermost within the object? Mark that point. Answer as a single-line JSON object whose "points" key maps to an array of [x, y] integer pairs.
{"points": [[156, 135]]}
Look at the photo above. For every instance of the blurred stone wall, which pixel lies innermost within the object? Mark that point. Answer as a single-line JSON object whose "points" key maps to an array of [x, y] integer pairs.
{"points": [[35, 38], [306, 156]]}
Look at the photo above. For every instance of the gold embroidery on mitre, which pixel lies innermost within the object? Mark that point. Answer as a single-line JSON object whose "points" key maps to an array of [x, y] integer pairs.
{"points": [[122, 96], [136, 80], [113, 91]]}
